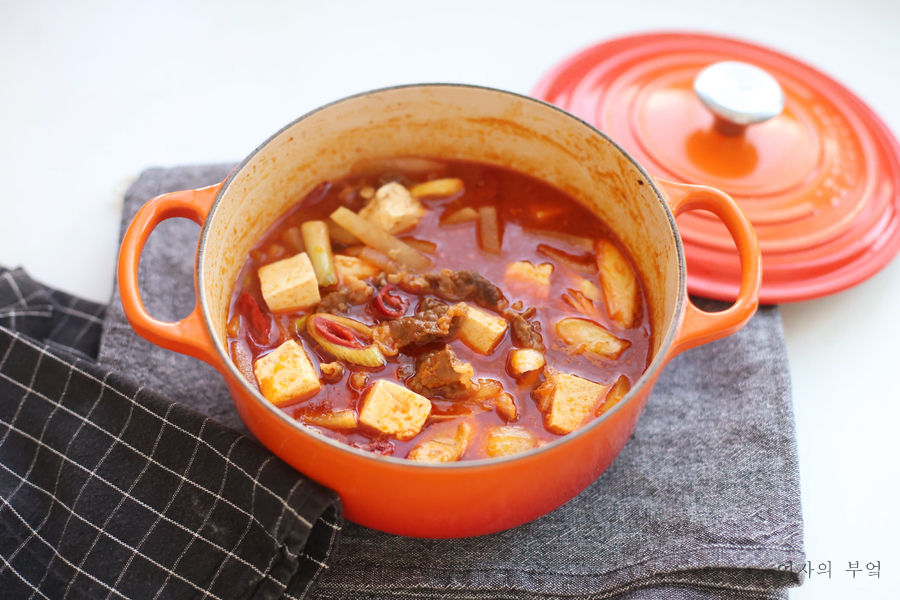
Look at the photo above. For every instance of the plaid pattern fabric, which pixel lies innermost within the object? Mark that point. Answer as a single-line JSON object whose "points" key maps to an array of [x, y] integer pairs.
{"points": [[108, 490]]}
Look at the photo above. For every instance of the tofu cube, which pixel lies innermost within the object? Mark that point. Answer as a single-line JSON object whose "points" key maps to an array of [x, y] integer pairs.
{"points": [[393, 209], [524, 278], [289, 284], [285, 375], [394, 410], [503, 441], [567, 400], [525, 360], [350, 265], [443, 448], [480, 331]]}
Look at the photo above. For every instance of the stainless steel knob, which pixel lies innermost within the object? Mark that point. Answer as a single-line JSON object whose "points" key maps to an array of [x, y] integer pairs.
{"points": [[738, 94]]}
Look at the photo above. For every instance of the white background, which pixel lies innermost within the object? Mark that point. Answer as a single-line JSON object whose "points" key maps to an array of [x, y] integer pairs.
{"points": [[92, 94]]}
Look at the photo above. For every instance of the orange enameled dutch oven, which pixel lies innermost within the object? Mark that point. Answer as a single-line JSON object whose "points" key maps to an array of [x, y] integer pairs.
{"points": [[461, 122]]}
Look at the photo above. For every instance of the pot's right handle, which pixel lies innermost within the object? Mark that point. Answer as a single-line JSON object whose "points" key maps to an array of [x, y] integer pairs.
{"points": [[698, 326]]}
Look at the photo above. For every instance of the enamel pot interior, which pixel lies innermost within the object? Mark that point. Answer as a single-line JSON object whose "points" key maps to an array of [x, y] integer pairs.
{"points": [[457, 122]]}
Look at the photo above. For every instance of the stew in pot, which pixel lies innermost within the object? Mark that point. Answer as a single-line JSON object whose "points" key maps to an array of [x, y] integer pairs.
{"points": [[439, 310]]}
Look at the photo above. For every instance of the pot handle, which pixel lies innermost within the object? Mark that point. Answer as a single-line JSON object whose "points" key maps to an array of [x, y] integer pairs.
{"points": [[189, 335], [700, 327]]}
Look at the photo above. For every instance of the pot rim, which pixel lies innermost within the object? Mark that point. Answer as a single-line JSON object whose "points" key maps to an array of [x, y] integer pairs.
{"points": [[652, 370]]}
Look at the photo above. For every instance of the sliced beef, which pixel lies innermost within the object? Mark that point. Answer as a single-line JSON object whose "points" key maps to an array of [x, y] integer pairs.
{"points": [[523, 332], [441, 373], [456, 286], [434, 321], [352, 292], [461, 286]]}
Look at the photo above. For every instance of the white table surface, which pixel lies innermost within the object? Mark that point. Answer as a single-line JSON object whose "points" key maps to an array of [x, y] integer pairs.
{"points": [[91, 95]]}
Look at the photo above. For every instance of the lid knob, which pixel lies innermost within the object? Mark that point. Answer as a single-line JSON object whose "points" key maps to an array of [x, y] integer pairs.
{"points": [[738, 94]]}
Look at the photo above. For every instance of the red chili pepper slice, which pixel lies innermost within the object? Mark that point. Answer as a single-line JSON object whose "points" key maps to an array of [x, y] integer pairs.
{"points": [[258, 323], [339, 334], [390, 305]]}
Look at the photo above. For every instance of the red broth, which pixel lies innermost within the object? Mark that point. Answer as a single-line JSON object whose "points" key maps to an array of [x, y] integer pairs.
{"points": [[530, 213]]}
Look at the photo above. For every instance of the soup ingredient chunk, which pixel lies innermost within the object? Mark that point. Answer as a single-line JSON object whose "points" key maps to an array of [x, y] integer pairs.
{"points": [[574, 240], [524, 278], [421, 245], [583, 296], [489, 230], [353, 292], [243, 360], [389, 304], [285, 375], [581, 303], [437, 188], [584, 263], [331, 372], [590, 291], [395, 164], [503, 441], [566, 400], [456, 286], [341, 235], [289, 284], [336, 420], [441, 373], [376, 237], [443, 448], [393, 410], [480, 331], [506, 407], [358, 380], [587, 337], [379, 259], [525, 334], [525, 360], [345, 339], [463, 215], [257, 323], [393, 209], [293, 238], [616, 393], [434, 321], [619, 283], [318, 247], [350, 265]]}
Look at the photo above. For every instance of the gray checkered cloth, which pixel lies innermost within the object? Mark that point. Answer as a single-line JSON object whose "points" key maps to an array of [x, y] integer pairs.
{"points": [[108, 490], [704, 501]]}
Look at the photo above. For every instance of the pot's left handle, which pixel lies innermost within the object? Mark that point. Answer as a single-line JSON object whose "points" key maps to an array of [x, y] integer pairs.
{"points": [[189, 335]]}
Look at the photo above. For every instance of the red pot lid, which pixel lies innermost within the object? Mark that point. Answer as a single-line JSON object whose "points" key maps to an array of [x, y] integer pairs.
{"points": [[820, 181]]}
